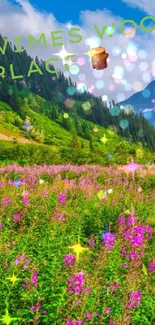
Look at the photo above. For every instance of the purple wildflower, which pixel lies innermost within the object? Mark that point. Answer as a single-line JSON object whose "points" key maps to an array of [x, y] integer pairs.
{"points": [[25, 201], [125, 265], [62, 198], [69, 260], [121, 220], [34, 278], [6, 200], [88, 315], [91, 242], [134, 300], [130, 220], [107, 311], [133, 255], [151, 267], [109, 240], [123, 252], [16, 217]]}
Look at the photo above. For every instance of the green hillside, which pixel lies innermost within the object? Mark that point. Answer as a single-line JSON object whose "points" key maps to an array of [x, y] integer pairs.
{"points": [[47, 119], [48, 142]]}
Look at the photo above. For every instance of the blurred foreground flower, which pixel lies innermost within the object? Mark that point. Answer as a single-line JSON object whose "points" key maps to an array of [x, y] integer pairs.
{"points": [[69, 260], [62, 198], [134, 300]]}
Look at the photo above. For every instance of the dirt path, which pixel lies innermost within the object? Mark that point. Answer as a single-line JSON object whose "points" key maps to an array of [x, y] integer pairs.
{"points": [[18, 139]]}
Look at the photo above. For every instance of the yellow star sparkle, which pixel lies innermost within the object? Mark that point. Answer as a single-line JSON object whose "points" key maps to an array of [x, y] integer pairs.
{"points": [[104, 139], [13, 279], [78, 249], [6, 319]]}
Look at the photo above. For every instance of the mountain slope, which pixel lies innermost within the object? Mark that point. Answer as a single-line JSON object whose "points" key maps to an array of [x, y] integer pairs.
{"points": [[56, 95], [47, 142], [143, 102]]}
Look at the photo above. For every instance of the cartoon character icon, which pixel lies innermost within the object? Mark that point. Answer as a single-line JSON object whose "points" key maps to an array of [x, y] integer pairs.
{"points": [[99, 58]]}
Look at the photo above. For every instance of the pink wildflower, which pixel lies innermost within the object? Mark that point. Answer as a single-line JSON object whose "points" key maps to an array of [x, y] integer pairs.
{"points": [[125, 266], [133, 255], [25, 201], [62, 198], [151, 267], [107, 311], [88, 315], [69, 260], [16, 217], [91, 242], [6, 200], [134, 300], [34, 278], [121, 220]]}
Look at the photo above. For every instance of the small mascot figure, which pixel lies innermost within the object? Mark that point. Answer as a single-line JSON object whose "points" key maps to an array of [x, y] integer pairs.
{"points": [[99, 58]]}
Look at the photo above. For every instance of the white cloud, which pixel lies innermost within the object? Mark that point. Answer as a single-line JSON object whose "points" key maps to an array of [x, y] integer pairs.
{"points": [[118, 82], [144, 5]]}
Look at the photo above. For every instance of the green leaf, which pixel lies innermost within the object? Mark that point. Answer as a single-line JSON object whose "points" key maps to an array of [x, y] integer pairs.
{"points": [[144, 269]]}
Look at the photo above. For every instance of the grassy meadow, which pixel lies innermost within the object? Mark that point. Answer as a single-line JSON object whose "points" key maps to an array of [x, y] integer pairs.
{"points": [[77, 245]]}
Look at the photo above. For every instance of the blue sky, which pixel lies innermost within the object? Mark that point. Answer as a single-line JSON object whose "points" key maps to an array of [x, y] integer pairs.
{"points": [[69, 10]]}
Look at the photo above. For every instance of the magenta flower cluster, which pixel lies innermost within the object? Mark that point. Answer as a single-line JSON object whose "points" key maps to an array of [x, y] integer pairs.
{"points": [[137, 235], [134, 300], [109, 240], [75, 284], [62, 198], [69, 260]]}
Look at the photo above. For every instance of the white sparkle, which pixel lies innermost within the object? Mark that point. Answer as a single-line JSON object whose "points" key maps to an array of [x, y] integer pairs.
{"points": [[69, 25], [63, 54]]}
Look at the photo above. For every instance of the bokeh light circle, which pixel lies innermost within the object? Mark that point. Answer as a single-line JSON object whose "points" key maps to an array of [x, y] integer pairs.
{"points": [[142, 54], [148, 114], [114, 110], [146, 93], [71, 90], [74, 69], [127, 87], [110, 30], [60, 97], [124, 56], [98, 73], [128, 109], [66, 115], [81, 88], [119, 71], [81, 61], [133, 58], [138, 86], [86, 106], [116, 50], [99, 84], [146, 77], [82, 76], [131, 49], [143, 66], [111, 87], [105, 98], [69, 102], [130, 67], [93, 41], [124, 124], [120, 97]]}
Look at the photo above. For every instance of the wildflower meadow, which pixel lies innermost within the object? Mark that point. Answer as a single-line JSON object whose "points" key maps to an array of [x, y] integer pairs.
{"points": [[77, 245]]}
